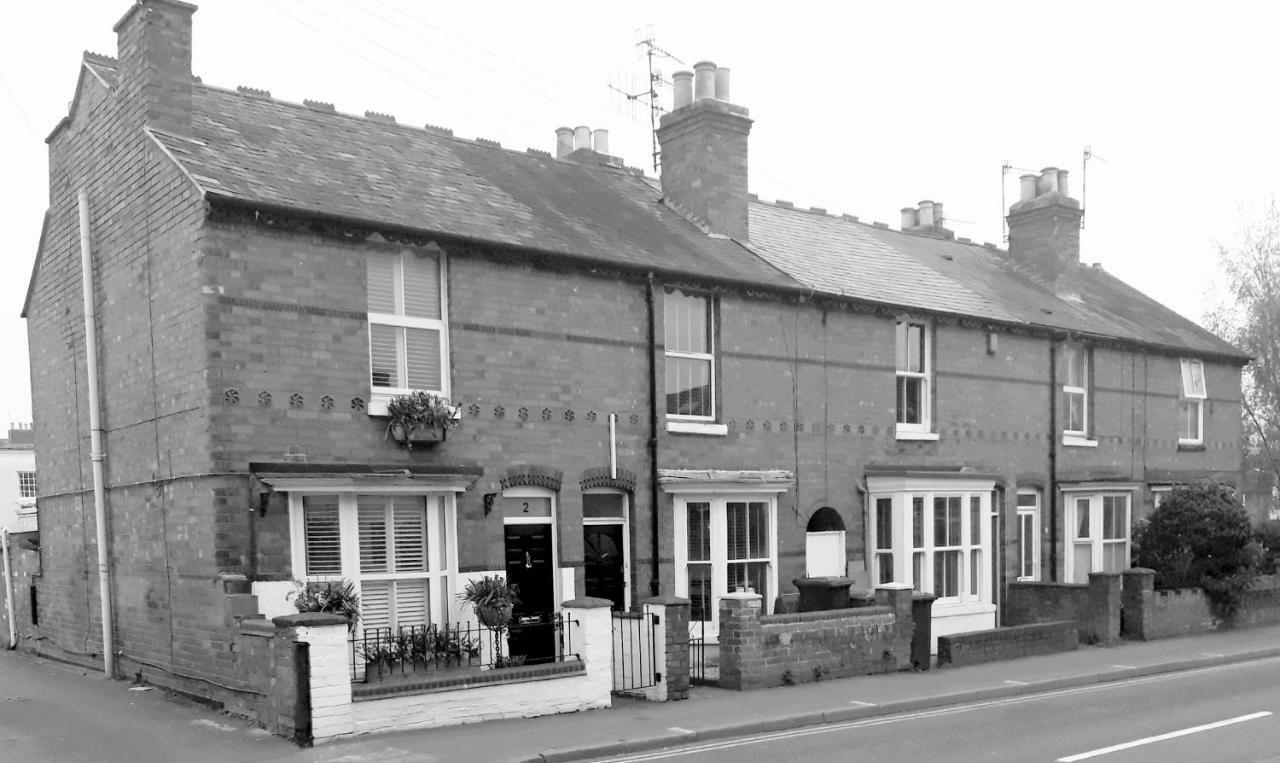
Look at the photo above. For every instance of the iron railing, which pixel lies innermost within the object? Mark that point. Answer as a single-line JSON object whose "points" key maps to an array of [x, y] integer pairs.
{"points": [[698, 673], [378, 653], [634, 650]]}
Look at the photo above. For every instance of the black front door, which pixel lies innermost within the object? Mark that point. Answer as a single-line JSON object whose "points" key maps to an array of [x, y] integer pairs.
{"points": [[528, 551], [602, 547]]}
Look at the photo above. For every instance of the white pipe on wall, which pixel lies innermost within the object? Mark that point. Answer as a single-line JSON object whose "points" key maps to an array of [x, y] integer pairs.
{"points": [[96, 454], [8, 588], [613, 446]]}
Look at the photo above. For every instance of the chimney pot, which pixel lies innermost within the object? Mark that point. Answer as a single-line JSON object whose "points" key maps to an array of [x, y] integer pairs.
{"points": [[704, 80], [908, 218], [683, 88], [938, 219], [722, 83], [1062, 182], [564, 142], [926, 213], [1048, 181], [581, 137], [600, 141], [1028, 190]]}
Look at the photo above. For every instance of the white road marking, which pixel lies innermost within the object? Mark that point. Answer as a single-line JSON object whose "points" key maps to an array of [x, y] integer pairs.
{"points": [[1164, 737], [862, 704], [1017, 683], [680, 730], [1211, 654], [212, 724], [745, 741], [1123, 667]]}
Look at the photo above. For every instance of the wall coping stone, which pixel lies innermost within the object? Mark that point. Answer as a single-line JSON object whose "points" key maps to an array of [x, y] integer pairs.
{"points": [[308, 620], [258, 626], [470, 679], [851, 613], [587, 602]]}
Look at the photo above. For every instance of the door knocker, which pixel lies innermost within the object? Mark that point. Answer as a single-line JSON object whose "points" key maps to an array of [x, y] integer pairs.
{"points": [[528, 561]]}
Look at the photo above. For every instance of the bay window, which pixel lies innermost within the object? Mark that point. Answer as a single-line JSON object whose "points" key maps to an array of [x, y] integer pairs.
{"points": [[1098, 534]]}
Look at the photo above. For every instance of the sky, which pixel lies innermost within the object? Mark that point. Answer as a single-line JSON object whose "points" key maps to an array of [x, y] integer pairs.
{"points": [[859, 108]]}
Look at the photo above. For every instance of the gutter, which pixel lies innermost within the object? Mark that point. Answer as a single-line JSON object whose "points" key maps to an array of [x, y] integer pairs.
{"points": [[96, 452]]}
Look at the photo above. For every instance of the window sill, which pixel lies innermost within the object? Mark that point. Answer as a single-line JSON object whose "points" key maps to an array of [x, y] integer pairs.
{"points": [[1190, 447], [1078, 441], [697, 427], [921, 436]]}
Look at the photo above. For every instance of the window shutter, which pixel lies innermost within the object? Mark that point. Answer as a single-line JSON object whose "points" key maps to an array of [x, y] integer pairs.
{"points": [[372, 520], [375, 604], [421, 286], [410, 534], [412, 603], [382, 355], [322, 536], [381, 269], [422, 356], [699, 532]]}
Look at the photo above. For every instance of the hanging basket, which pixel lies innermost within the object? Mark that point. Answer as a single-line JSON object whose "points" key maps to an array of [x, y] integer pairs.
{"points": [[419, 435], [494, 617]]}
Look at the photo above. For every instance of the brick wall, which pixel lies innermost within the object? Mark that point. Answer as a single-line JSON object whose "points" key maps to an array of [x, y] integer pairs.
{"points": [[1094, 607], [759, 650], [24, 566], [1151, 614], [977, 647]]}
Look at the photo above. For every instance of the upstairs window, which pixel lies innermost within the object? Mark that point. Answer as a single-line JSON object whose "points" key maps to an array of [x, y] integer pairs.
{"points": [[1191, 406], [690, 356], [1075, 390], [913, 378], [408, 343], [26, 484]]}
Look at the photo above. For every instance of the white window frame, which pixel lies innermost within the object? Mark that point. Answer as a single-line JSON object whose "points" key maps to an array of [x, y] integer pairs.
{"points": [[914, 565], [625, 521], [719, 498], [27, 484], [380, 396], [442, 574], [1095, 538], [1192, 397], [923, 429], [1076, 437], [1029, 532], [677, 422]]}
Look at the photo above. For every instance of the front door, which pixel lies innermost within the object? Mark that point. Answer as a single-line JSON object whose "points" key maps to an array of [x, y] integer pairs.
{"points": [[529, 566], [602, 548]]}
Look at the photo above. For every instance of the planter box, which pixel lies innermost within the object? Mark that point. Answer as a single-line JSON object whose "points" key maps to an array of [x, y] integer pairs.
{"points": [[420, 436]]}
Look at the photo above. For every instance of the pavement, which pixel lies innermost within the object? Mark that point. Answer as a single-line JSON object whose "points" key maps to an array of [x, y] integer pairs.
{"points": [[634, 725]]}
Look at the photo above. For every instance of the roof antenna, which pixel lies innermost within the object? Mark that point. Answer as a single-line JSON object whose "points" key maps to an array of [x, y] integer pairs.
{"points": [[1004, 208], [651, 50], [1084, 180]]}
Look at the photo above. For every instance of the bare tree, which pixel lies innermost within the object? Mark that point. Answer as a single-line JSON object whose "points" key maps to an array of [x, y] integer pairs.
{"points": [[1247, 313]]}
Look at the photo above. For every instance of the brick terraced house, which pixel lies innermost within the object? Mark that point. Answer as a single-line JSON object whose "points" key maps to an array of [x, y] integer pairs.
{"points": [[664, 386]]}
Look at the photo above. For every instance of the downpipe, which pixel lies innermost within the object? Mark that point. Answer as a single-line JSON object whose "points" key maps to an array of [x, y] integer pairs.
{"points": [[96, 453], [8, 587]]}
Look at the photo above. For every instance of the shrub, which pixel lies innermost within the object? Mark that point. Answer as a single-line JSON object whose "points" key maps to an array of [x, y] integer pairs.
{"points": [[1201, 537], [1267, 536]]}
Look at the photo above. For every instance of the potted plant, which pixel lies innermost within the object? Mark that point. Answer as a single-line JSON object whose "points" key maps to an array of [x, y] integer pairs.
{"points": [[493, 599], [419, 417], [339, 598]]}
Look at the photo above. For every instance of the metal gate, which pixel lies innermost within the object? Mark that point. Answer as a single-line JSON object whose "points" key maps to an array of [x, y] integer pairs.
{"points": [[635, 651]]}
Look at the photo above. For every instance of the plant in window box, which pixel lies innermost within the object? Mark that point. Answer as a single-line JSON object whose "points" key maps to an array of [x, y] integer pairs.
{"points": [[419, 417]]}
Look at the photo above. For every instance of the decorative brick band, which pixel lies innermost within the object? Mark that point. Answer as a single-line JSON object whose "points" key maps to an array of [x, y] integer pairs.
{"points": [[598, 477], [532, 476]]}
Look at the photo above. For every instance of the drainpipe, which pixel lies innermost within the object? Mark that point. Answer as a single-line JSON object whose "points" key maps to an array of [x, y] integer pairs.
{"points": [[653, 434], [1051, 493], [96, 453], [8, 588]]}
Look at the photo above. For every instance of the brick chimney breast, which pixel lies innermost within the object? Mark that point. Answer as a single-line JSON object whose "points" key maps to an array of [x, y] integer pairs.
{"points": [[1044, 232], [155, 80], [704, 161]]}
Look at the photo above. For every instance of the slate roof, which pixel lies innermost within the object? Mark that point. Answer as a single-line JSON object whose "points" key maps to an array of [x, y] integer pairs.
{"points": [[254, 149]]}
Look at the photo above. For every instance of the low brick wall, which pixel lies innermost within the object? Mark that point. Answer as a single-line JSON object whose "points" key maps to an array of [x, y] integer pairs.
{"points": [[977, 647], [1151, 614], [1094, 607], [758, 650]]}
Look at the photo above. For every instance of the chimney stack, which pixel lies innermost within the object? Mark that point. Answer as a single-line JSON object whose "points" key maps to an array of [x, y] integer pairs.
{"points": [[154, 38], [1044, 231], [926, 219], [703, 143]]}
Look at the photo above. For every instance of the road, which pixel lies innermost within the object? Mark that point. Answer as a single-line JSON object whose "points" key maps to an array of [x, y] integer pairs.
{"points": [[1226, 713]]}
